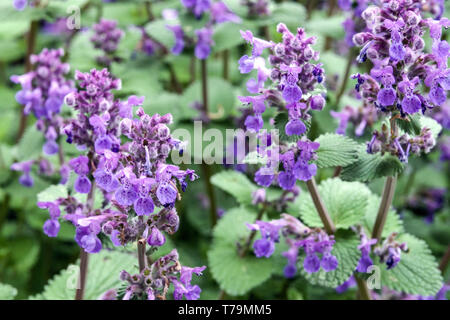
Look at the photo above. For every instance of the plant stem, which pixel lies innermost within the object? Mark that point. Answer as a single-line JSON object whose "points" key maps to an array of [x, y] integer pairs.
{"points": [[192, 70], [445, 259], [84, 258], [386, 201], [210, 191], [174, 80], [141, 254], [328, 39], [337, 171], [363, 290], [31, 44], [205, 167], [148, 9], [348, 68], [252, 234], [204, 72], [222, 295], [225, 59], [320, 206]]}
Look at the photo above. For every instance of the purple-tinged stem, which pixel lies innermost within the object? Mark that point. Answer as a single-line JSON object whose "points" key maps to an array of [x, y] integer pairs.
{"points": [[252, 234], [445, 259], [348, 68], [84, 259], [363, 290], [320, 207], [205, 167], [337, 171], [84, 256], [31, 44], [225, 60], [383, 210]]}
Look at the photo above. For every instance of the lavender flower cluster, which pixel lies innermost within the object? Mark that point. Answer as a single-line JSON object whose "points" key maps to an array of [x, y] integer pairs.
{"points": [[394, 44], [153, 282], [106, 38], [43, 92], [295, 78], [316, 243], [133, 177], [218, 13], [354, 23]]}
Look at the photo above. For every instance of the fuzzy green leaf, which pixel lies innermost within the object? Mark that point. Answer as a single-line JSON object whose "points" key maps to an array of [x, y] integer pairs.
{"points": [[7, 292], [336, 150], [410, 125], [236, 184], [103, 274], [372, 166], [234, 274], [346, 203], [416, 273], [346, 251], [52, 193]]}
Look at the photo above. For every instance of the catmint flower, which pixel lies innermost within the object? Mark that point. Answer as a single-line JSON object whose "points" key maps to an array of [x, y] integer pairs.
{"points": [[204, 43], [106, 38], [256, 8], [197, 7], [20, 5], [316, 244], [179, 38], [25, 167], [427, 203], [390, 251], [42, 94]]}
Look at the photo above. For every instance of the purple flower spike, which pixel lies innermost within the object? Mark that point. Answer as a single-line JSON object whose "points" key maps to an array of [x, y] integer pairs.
{"points": [[295, 127], [166, 193], [329, 262], [386, 97], [311, 263], [178, 33]]}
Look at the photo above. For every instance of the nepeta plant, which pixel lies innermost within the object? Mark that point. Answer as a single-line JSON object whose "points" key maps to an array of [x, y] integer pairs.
{"points": [[106, 38], [134, 179], [42, 94]]}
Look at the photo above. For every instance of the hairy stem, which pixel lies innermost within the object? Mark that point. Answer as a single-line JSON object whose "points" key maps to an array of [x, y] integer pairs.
{"points": [[141, 254], [386, 201], [210, 191], [348, 68], [84, 258], [320, 206], [252, 234], [363, 290], [31, 44], [225, 60], [445, 259]]}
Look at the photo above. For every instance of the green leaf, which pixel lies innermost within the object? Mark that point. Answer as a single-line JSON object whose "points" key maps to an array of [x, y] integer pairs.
{"points": [[346, 203], [221, 98], [372, 166], [435, 127], [336, 150], [392, 224], [289, 13], [326, 26], [281, 119], [227, 36], [410, 124], [103, 274], [416, 273], [158, 30], [234, 274], [30, 145], [52, 193], [7, 292], [236, 184], [347, 253]]}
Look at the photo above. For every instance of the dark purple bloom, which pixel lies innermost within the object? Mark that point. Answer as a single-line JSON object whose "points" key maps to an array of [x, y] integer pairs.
{"points": [[51, 227], [82, 184]]}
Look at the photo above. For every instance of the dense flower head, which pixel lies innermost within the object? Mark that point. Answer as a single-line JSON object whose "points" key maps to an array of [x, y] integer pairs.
{"points": [[427, 202], [353, 23], [106, 37], [43, 91], [218, 12], [294, 77], [390, 251], [316, 244], [153, 282], [382, 141], [394, 43], [256, 8]]}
